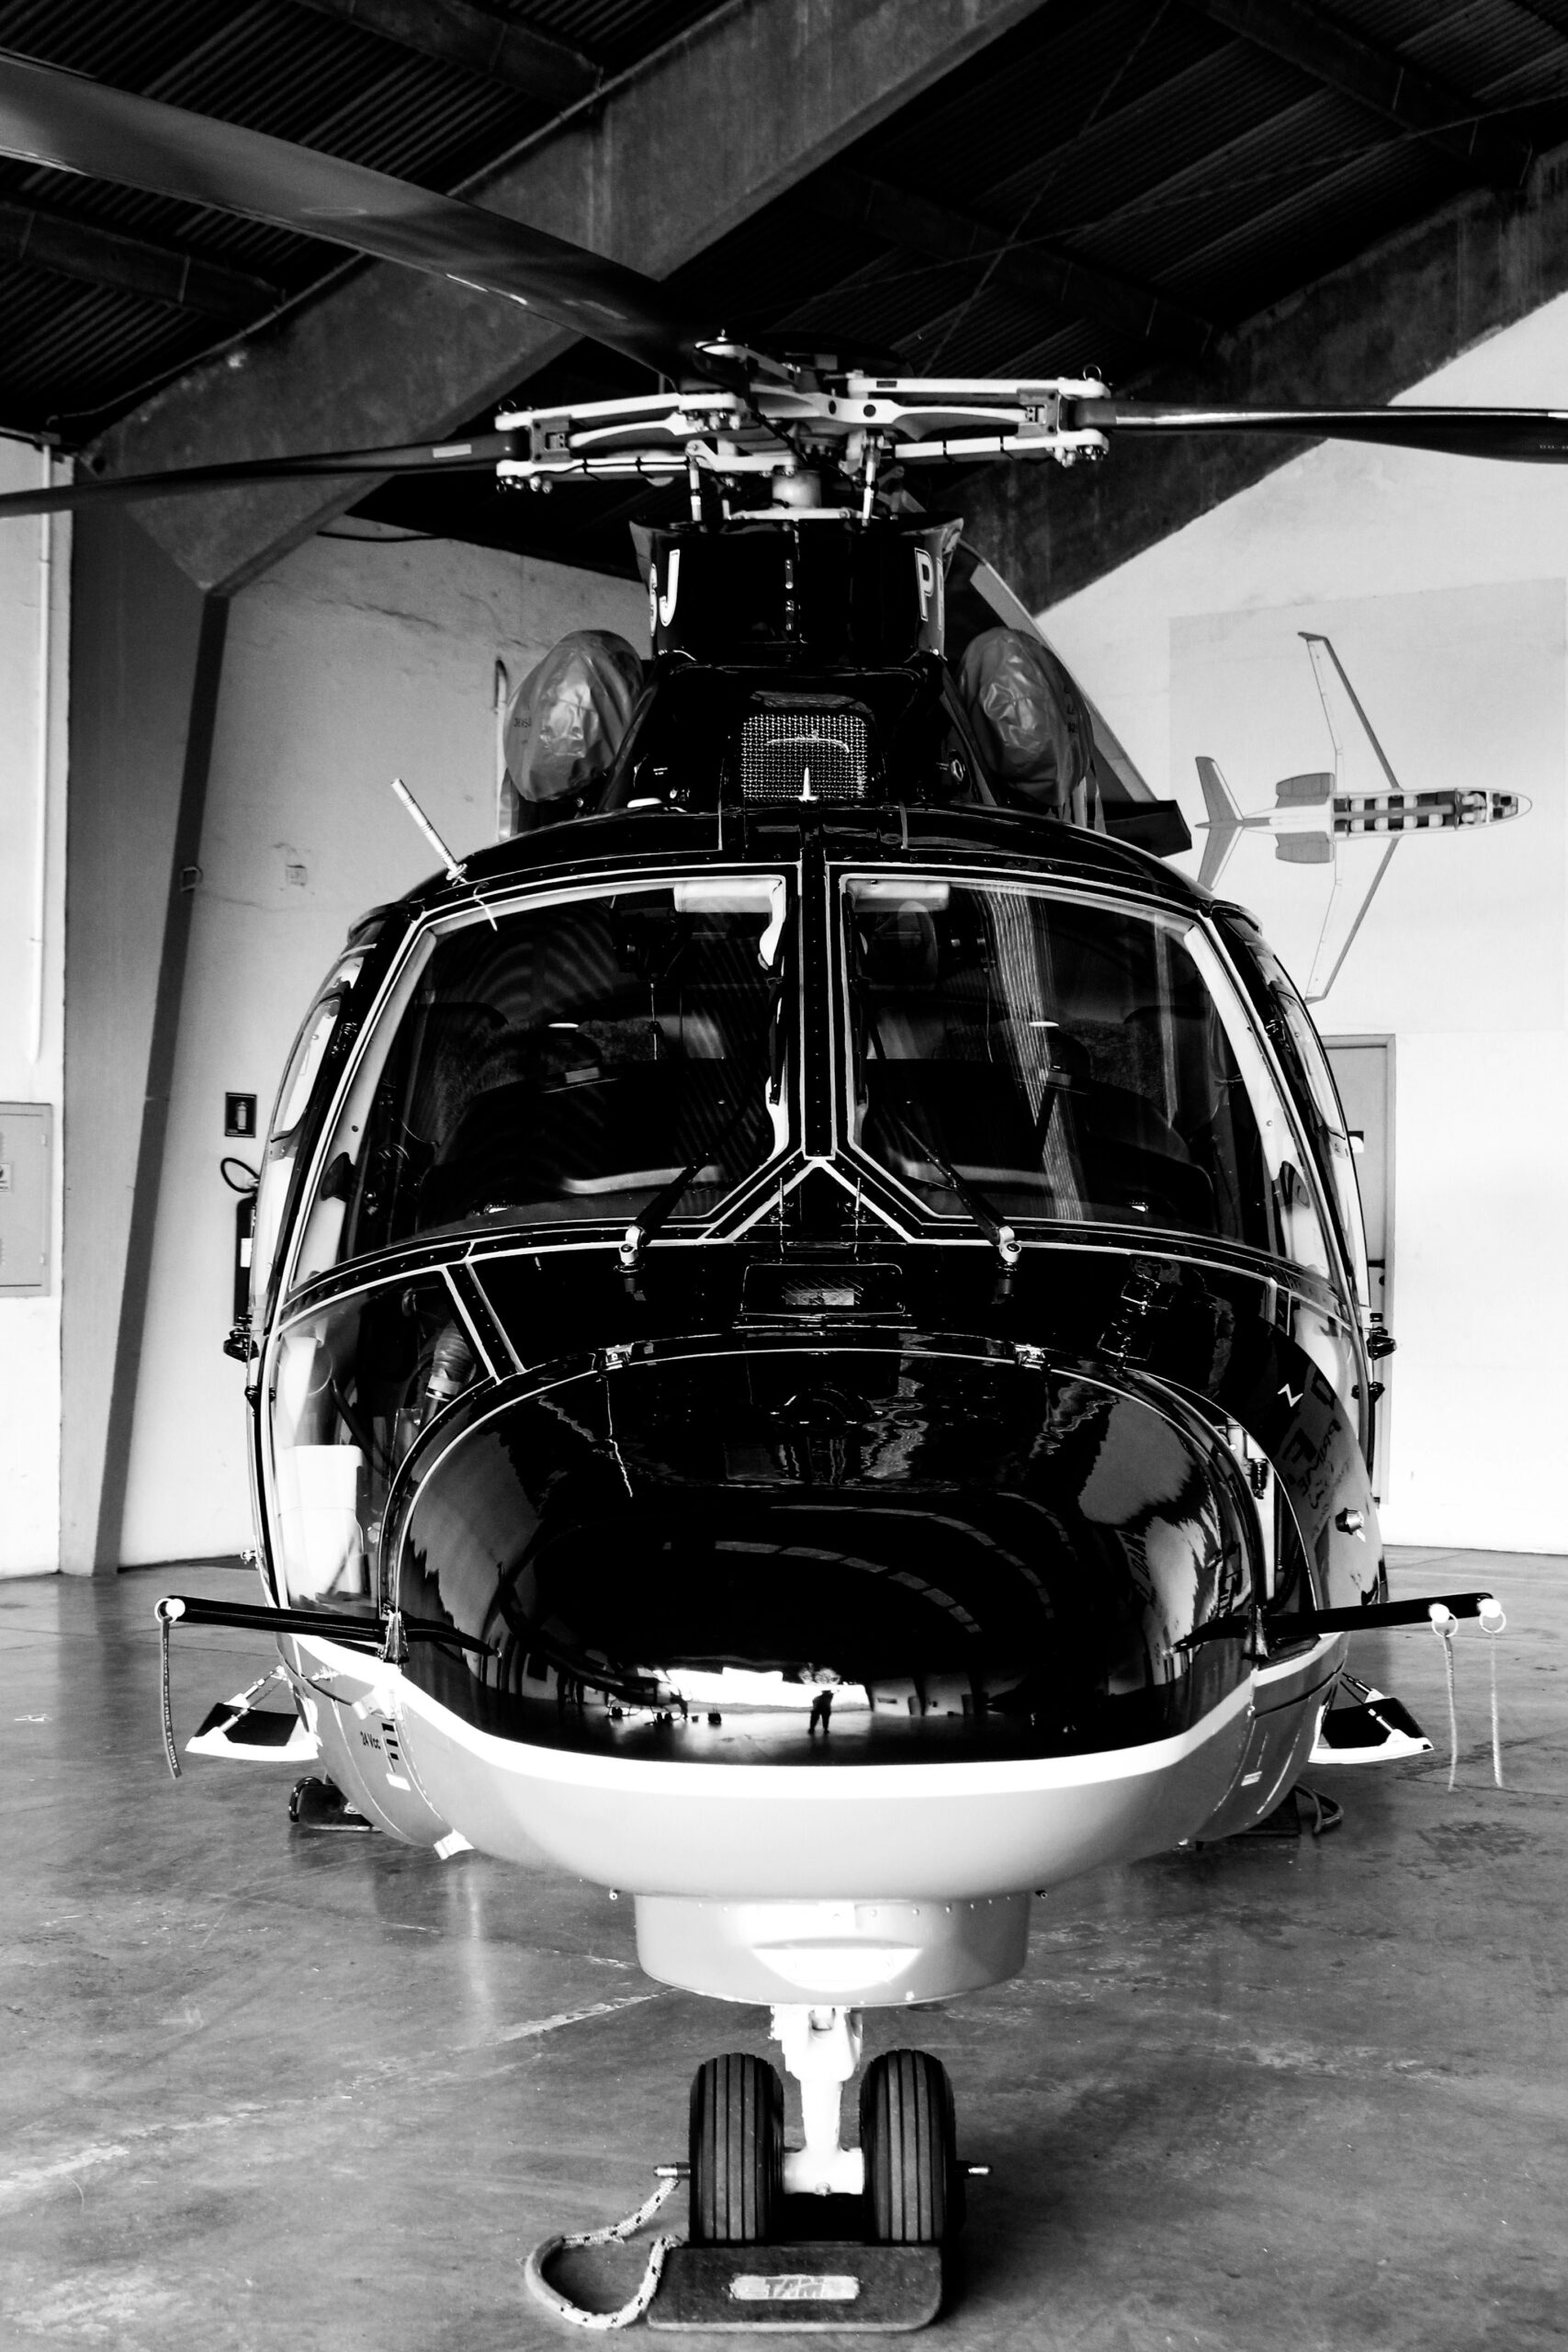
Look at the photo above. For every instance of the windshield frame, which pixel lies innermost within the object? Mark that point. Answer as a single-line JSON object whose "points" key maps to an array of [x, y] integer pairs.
{"points": [[1195, 931], [313, 1225]]}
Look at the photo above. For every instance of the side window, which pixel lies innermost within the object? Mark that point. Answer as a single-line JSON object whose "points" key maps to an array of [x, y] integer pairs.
{"points": [[299, 1076], [1300, 1226], [1329, 1131], [1311, 1082]]}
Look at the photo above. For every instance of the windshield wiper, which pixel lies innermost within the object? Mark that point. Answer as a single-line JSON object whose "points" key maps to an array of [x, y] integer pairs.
{"points": [[663, 1203], [982, 1212]]}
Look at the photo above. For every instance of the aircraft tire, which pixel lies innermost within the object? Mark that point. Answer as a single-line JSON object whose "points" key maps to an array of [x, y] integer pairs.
{"points": [[737, 2150], [914, 2191]]}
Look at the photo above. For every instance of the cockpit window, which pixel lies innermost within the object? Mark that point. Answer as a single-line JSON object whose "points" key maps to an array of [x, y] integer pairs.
{"points": [[566, 1062], [1065, 1060], [282, 1150]]}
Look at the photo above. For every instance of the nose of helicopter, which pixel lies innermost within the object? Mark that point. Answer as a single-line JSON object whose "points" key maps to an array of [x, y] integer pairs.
{"points": [[730, 1557], [840, 1624]]}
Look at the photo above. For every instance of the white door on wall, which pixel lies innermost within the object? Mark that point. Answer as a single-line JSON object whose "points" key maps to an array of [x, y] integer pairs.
{"points": [[1363, 1071]]}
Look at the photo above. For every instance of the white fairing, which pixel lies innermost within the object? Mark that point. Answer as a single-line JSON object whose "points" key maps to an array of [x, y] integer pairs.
{"points": [[843, 1838]]}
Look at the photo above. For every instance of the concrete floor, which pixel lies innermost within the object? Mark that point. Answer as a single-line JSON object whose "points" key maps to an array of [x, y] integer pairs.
{"points": [[265, 2088]]}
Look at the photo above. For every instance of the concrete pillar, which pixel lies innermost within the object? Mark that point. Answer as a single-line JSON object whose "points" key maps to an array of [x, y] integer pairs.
{"points": [[147, 656], [35, 560]]}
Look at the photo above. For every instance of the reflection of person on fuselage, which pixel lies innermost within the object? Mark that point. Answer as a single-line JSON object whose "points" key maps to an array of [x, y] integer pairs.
{"points": [[822, 1704]]}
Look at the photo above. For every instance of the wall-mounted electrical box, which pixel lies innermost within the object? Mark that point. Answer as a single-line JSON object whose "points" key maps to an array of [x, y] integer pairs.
{"points": [[27, 1135]]}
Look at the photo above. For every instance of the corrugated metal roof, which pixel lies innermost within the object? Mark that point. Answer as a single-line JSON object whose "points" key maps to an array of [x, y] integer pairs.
{"points": [[275, 66], [1140, 137]]}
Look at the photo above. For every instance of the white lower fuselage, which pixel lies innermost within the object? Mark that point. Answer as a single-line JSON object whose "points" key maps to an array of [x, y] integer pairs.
{"points": [[875, 1885]]}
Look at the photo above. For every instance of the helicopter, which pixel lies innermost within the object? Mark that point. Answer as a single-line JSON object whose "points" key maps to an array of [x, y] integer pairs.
{"points": [[808, 1358], [1336, 816]]}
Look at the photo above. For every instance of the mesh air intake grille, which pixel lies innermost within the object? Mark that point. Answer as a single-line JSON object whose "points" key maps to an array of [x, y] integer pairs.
{"points": [[804, 754]]}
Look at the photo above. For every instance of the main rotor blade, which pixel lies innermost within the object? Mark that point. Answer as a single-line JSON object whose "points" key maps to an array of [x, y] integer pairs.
{"points": [[1533, 436], [483, 449], [71, 124]]}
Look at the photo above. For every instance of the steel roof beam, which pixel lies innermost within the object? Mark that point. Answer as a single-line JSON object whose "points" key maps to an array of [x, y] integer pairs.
{"points": [[1379, 79], [459, 35], [1056, 280], [39, 239], [1365, 332], [652, 170]]}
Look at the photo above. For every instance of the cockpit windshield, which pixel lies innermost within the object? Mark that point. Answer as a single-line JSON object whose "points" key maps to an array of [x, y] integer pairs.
{"points": [[572, 1059], [1065, 1059]]}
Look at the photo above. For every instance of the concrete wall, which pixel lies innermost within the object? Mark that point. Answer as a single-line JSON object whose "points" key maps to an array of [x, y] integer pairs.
{"points": [[1444, 585], [31, 1028], [348, 665]]}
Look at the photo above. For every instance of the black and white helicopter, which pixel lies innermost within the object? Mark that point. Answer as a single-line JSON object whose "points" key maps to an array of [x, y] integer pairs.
{"points": [[809, 1357]]}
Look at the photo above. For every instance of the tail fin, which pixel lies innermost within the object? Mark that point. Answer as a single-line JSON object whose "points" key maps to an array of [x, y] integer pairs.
{"points": [[1218, 798]]}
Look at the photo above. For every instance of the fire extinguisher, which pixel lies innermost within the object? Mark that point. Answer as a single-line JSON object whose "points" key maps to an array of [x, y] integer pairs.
{"points": [[244, 1182]]}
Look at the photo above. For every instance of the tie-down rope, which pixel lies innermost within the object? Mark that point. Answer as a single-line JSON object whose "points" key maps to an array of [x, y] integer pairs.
{"points": [[1445, 1624], [618, 2233]]}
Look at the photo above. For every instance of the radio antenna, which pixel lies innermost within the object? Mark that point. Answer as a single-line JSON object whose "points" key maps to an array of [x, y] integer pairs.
{"points": [[501, 699], [453, 871]]}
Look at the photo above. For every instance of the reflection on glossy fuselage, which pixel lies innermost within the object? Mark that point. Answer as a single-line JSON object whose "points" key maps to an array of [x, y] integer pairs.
{"points": [[981, 1560]]}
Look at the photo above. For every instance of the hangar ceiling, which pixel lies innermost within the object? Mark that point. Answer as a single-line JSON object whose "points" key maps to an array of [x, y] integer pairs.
{"points": [[1182, 196]]}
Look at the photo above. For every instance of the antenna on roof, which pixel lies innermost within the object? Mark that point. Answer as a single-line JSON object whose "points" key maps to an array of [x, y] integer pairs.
{"points": [[453, 871]]}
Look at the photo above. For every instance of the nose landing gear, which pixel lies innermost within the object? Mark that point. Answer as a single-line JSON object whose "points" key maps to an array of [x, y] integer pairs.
{"points": [[858, 2234], [821, 2049]]}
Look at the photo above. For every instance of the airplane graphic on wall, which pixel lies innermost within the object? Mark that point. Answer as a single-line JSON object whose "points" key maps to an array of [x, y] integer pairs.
{"points": [[1348, 819]]}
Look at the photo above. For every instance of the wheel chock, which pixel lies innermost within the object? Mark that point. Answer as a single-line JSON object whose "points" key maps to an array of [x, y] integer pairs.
{"points": [[838, 2286]]}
